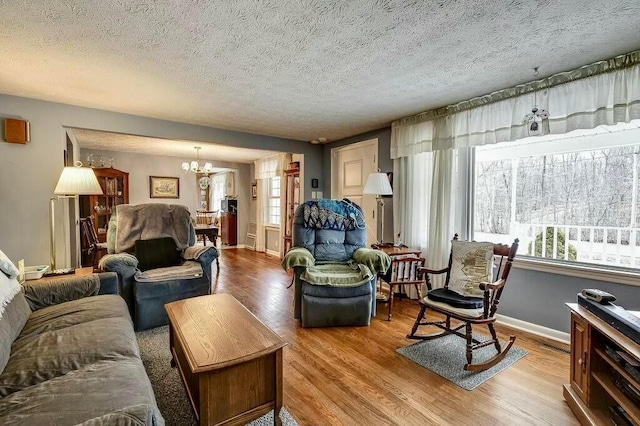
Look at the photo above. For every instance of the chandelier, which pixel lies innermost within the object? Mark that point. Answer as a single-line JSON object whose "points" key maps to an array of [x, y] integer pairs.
{"points": [[195, 167]]}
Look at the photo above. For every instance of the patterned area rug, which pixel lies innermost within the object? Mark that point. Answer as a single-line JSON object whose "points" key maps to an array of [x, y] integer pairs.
{"points": [[446, 356], [171, 395]]}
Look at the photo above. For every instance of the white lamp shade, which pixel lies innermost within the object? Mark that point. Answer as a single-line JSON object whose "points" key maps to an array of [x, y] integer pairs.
{"points": [[76, 180], [377, 184]]}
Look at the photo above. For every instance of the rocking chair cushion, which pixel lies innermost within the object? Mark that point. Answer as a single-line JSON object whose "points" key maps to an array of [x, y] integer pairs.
{"points": [[454, 299]]}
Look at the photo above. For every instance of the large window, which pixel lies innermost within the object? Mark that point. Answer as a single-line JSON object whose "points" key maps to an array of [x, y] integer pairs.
{"points": [[572, 197], [273, 208]]}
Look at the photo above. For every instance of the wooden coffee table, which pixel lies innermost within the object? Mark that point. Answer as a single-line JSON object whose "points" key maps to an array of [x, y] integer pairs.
{"points": [[230, 362]]}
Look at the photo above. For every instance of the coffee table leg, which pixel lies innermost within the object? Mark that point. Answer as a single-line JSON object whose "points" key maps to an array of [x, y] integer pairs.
{"points": [[278, 405], [173, 360]]}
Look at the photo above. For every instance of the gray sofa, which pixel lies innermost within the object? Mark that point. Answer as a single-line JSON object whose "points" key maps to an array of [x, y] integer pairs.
{"points": [[70, 357]]}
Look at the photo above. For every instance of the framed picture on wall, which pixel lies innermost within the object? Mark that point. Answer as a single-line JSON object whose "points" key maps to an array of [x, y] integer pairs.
{"points": [[164, 187], [254, 190]]}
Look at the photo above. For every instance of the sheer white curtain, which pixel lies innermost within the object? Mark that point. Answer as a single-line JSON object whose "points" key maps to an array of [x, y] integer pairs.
{"points": [[410, 205], [265, 169]]}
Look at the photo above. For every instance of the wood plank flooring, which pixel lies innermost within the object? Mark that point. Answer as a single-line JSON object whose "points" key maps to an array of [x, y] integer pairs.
{"points": [[353, 376]]}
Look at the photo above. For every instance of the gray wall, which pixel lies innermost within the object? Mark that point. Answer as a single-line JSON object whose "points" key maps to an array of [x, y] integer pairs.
{"points": [[385, 164], [28, 173], [272, 239], [540, 297]]}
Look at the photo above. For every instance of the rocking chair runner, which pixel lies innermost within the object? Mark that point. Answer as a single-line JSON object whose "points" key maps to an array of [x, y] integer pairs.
{"points": [[472, 302]]}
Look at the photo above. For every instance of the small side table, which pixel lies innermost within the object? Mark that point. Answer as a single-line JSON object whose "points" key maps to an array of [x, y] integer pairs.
{"points": [[394, 251], [79, 272]]}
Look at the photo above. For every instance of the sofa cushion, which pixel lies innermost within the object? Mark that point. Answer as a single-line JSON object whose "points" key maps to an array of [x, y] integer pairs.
{"points": [[93, 391], [38, 357], [12, 322], [157, 253], [75, 312]]}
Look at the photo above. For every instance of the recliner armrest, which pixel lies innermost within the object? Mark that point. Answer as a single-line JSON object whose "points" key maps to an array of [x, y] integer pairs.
{"points": [[377, 260], [113, 262], [40, 294], [297, 257], [203, 255]]}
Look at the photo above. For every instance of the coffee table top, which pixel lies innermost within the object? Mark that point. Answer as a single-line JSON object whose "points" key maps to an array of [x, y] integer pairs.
{"points": [[217, 331]]}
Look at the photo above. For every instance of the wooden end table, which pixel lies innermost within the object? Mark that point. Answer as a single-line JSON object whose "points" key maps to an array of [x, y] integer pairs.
{"points": [[229, 361]]}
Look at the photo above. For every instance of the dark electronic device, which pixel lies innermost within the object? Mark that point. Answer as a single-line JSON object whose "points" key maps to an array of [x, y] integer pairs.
{"points": [[599, 296], [229, 206], [616, 316]]}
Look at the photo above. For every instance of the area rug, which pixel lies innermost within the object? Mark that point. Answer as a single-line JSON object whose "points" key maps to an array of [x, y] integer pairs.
{"points": [[171, 395], [446, 356]]}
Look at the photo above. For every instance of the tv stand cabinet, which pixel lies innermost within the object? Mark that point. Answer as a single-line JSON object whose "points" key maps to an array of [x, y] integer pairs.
{"points": [[591, 390]]}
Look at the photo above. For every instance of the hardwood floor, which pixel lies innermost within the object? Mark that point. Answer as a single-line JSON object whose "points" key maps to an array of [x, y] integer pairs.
{"points": [[353, 376]]}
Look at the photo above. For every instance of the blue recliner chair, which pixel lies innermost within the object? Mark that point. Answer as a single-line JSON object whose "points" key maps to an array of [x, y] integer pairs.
{"points": [[335, 275], [151, 248]]}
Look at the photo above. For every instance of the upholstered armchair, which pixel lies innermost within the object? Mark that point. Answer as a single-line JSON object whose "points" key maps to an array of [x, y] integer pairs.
{"points": [[151, 248], [334, 274]]}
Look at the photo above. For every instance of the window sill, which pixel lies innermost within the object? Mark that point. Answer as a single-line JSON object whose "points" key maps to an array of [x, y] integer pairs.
{"points": [[580, 270], [272, 227]]}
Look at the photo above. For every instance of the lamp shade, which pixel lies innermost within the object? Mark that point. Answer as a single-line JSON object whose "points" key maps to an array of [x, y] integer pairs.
{"points": [[377, 184], [77, 180]]}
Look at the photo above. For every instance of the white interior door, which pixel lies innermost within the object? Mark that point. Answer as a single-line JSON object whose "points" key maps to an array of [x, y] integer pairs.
{"points": [[350, 167]]}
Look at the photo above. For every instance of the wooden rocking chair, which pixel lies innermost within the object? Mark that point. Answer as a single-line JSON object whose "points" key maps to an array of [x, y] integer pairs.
{"points": [[468, 261]]}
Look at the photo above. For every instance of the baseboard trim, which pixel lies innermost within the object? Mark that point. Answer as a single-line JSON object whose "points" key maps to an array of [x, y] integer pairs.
{"points": [[538, 330], [272, 253]]}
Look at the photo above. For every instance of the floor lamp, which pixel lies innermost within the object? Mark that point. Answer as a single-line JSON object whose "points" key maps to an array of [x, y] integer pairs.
{"points": [[378, 184], [74, 180]]}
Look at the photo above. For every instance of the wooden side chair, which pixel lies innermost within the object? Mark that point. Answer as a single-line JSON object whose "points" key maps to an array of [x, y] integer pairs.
{"points": [[470, 294], [404, 270], [91, 247]]}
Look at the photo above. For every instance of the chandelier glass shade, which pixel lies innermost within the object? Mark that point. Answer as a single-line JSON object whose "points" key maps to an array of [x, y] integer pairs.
{"points": [[195, 166]]}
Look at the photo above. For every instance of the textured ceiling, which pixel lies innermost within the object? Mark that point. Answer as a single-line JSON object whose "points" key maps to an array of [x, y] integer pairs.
{"points": [[300, 69], [105, 141]]}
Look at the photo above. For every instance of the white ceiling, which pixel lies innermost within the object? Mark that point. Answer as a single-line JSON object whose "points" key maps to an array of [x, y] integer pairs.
{"points": [[300, 69], [106, 141]]}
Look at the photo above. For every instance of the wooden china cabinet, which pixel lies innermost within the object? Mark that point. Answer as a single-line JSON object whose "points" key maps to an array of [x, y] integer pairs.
{"points": [[292, 201], [115, 188]]}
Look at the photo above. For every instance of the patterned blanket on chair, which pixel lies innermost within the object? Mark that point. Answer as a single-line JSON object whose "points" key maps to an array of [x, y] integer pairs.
{"points": [[341, 215]]}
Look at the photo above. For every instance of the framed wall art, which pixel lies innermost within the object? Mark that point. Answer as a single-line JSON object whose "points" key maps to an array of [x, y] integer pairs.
{"points": [[164, 187]]}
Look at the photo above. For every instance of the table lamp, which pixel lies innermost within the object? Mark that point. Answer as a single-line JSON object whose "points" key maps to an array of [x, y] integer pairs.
{"points": [[378, 184], [74, 180]]}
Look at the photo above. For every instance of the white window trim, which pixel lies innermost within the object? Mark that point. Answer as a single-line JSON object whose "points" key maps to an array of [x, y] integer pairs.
{"points": [[579, 270]]}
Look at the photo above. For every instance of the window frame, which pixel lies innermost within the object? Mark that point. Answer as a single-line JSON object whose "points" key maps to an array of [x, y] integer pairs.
{"points": [[270, 198]]}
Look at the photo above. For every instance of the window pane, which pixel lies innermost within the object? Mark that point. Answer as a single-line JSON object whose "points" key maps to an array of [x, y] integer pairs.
{"points": [[574, 199]]}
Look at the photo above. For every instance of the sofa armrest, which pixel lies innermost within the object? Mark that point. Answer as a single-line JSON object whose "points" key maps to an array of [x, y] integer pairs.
{"points": [[43, 293]]}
